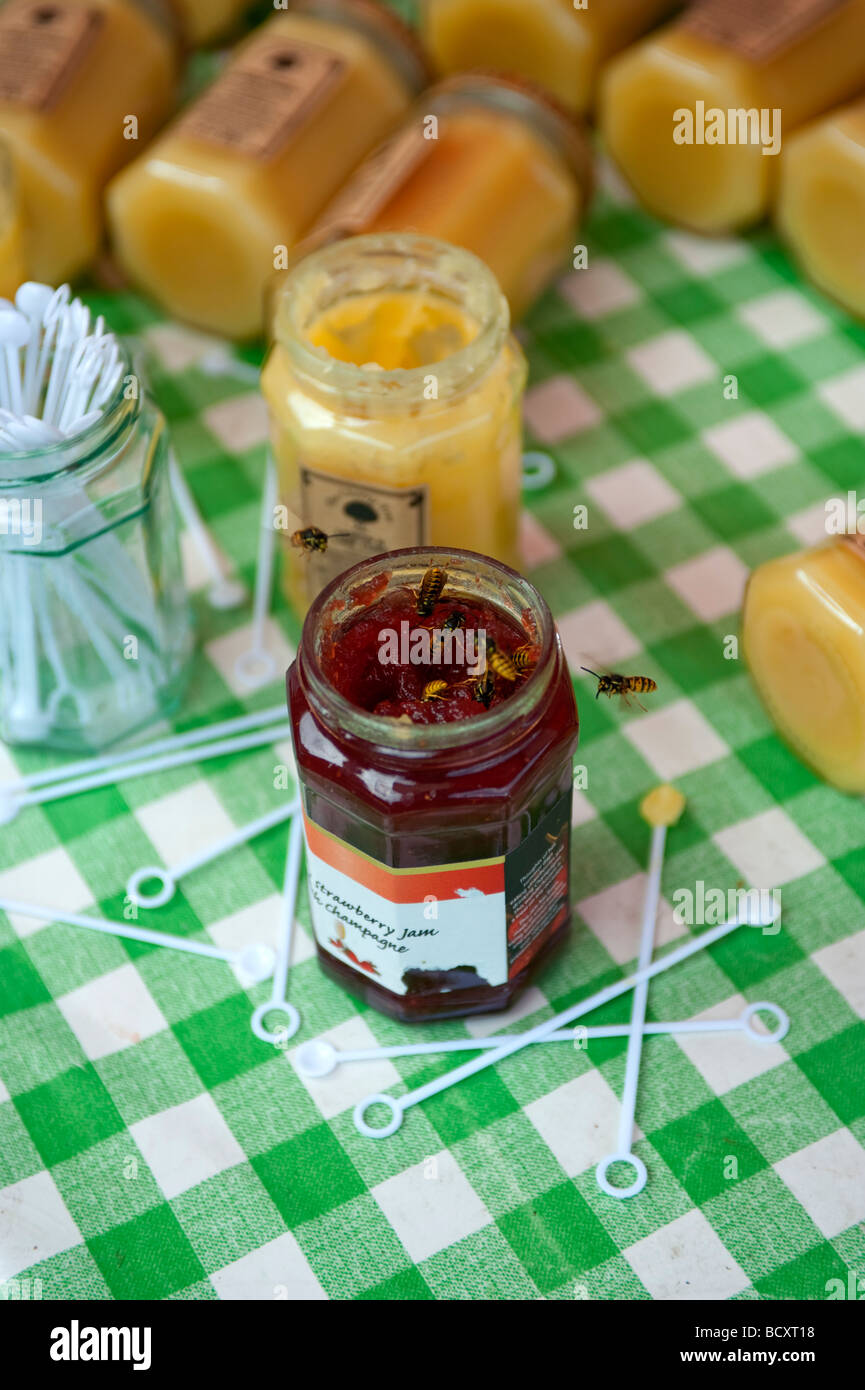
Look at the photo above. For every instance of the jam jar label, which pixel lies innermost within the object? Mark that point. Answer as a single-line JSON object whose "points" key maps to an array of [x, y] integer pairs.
{"points": [[41, 47], [758, 32], [446, 926]]}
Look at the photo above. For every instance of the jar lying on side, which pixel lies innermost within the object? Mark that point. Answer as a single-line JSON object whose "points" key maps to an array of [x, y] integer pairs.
{"points": [[803, 629], [394, 389], [436, 779], [95, 629], [488, 163]]}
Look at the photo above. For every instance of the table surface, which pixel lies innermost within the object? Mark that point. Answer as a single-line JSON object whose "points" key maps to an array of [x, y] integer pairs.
{"points": [[151, 1147]]}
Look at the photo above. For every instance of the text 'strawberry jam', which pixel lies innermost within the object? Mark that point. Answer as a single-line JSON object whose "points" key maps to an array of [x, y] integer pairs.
{"points": [[437, 820]]}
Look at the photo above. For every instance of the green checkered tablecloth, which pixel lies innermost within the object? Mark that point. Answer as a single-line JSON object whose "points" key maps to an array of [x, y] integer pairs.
{"points": [[151, 1147]]}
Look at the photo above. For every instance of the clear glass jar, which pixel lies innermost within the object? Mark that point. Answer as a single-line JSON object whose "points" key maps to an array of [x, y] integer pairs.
{"points": [[383, 455], [803, 627], [95, 628], [438, 854]]}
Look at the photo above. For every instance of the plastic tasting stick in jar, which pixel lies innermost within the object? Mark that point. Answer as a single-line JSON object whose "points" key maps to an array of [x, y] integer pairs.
{"points": [[203, 217], [804, 640], [821, 203], [394, 389], [84, 84], [488, 163], [695, 115], [561, 46]]}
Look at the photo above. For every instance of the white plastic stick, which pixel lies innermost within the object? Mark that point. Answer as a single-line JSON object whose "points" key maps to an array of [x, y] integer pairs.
{"points": [[11, 805], [255, 961], [207, 734], [640, 999], [319, 1057], [399, 1105], [278, 1002], [168, 878], [224, 591], [256, 666]]}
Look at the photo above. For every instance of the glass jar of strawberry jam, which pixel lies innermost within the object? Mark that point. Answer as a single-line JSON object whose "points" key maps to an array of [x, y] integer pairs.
{"points": [[434, 724]]}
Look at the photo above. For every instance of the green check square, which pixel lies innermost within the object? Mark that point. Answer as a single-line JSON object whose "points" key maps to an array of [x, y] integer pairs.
{"points": [[836, 1068], [69, 1114], [146, 1258], [308, 1175], [556, 1236], [707, 1150]]}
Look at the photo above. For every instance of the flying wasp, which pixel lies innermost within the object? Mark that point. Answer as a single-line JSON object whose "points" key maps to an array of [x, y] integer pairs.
{"points": [[614, 684], [500, 663], [430, 590], [434, 690], [312, 538]]}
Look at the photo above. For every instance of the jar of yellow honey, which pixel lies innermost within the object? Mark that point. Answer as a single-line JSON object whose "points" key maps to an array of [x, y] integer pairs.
{"points": [[488, 163], [804, 641], [206, 214], [560, 44], [83, 84], [394, 388]]}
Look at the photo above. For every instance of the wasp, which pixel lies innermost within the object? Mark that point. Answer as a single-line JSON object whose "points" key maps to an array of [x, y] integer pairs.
{"points": [[485, 689], [312, 538], [614, 684], [430, 590], [500, 663], [452, 623], [434, 690], [524, 657]]}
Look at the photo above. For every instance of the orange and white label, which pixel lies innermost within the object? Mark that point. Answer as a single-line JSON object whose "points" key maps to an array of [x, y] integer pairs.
{"points": [[483, 919]]}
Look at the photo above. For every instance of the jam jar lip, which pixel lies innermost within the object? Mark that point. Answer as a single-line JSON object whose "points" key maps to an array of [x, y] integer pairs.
{"points": [[458, 740], [382, 261]]}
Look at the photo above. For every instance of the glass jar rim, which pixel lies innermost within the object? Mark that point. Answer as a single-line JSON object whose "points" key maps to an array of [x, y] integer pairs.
{"points": [[399, 260], [410, 740], [88, 447]]}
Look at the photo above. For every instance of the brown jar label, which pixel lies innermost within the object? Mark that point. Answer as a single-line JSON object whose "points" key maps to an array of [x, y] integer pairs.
{"points": [[373, 185], [262, 100], [757, 29], [41, 47], [363, 518]]}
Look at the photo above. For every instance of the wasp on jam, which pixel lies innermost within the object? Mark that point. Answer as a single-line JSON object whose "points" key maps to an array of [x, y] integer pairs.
{"points": [[452, 623], [430, 590], [311, 538], [500, 663], [614, 684], [524, 657], [434, 690], [484, 689]]}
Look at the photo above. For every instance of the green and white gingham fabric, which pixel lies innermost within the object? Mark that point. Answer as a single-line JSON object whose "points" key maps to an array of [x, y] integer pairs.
{"points": [[151, 1147]]}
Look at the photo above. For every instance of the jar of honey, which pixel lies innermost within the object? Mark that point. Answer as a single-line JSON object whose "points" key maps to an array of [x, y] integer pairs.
{"points": [[394, 388], [561, 44], [804, 641], [436, 781], [488, 163], [206, 214], [83, 85]]}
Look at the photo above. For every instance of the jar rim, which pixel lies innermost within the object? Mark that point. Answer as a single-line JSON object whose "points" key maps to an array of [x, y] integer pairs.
{"points": [[381, 26], [396, 737], [399, 260]]}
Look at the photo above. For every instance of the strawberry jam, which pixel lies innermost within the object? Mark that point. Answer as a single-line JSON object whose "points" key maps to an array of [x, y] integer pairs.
{"points": [[434, 745]]}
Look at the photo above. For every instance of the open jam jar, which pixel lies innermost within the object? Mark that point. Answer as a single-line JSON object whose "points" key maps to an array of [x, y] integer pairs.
{"points": [[434, 726]]}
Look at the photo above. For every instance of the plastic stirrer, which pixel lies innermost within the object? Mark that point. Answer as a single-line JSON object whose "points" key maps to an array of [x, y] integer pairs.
{"points": [[319, 1057], [208, 733], [661, 809], [11, 805], [168, 878], [255, 961], [399, 1105], [256, 666], [224, 591], [277, 1003]]}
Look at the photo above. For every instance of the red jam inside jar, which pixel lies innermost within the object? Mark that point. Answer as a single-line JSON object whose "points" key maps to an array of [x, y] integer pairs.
{"points": [[437, 820]]}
